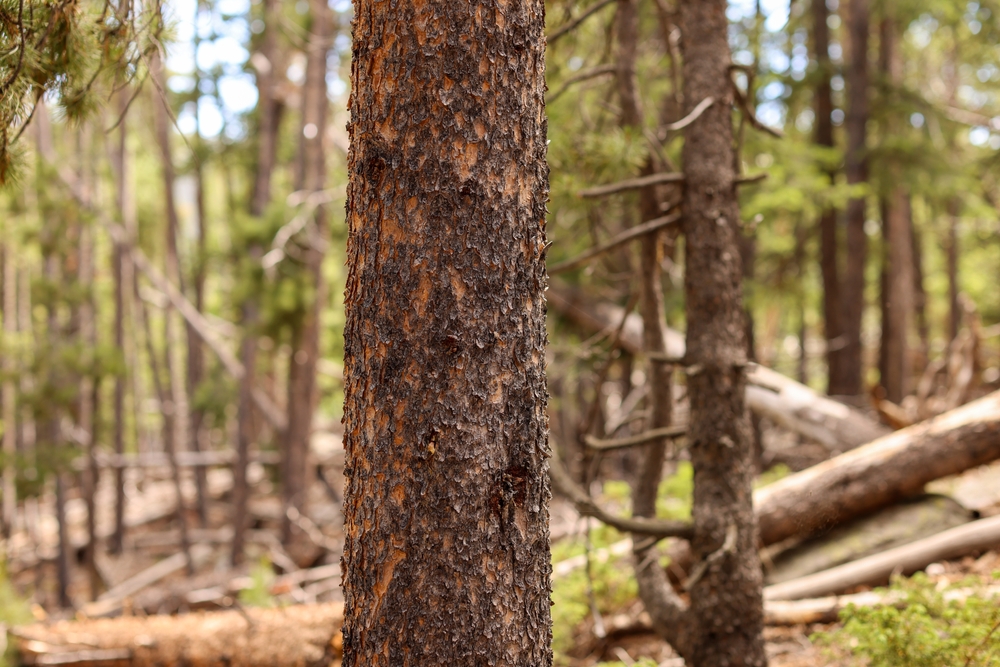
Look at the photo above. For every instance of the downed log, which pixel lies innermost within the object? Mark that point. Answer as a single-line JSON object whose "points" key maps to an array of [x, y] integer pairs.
{"points": [[880, 473], [297, 636], [769, 394], [877, 569], [888, 528]]}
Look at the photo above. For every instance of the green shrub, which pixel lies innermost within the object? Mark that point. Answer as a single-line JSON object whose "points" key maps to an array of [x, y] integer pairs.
{"points": [[923, 629]]}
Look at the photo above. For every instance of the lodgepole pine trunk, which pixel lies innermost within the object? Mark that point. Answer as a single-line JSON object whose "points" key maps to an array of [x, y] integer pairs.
{"points": [[310, 177], [726, 612], [829, 247], [846, 373], [446, 557], [894, 362]]}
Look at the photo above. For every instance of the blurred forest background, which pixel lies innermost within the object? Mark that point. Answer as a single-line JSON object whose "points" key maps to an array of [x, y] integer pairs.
{"points": [[173, 250]]}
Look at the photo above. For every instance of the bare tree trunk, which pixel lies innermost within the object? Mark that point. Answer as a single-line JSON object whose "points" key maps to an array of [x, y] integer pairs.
{"points": [[663, 606], [195, 354], [87, 409], [951, 250], [9, 395], [919, 296], [446, 509], [829, 246], [173, 399], [118, 165], [848, 371], [898, 316], [311, 178], [726, 610], [244, 431]]}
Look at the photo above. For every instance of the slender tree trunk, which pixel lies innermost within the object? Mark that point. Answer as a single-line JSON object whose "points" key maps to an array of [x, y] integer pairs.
{"points": [[173, 399], [829, 246], [9, 395], [919, 296], [270, 114], [898, 287], [446, 509], [310, 177], [848, 371], [726, 611], [118, 164], [195, 354], [951, 254], [87, 409]]}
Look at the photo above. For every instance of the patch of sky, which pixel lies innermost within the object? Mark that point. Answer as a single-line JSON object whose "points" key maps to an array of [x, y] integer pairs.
{"points": [[772, 91], [921, 31], [979, 136], [335, 86], [340, 5], [917, 120], [239, 92], [771, 114], [775, 12]]}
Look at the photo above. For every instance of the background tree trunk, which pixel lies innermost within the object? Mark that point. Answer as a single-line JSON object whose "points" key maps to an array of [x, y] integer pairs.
{"points": [[829, 244], [446, 509], [311, 178], [727, 614], [846, 374]]}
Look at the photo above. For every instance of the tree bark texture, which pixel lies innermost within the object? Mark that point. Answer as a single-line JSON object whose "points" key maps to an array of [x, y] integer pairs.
{"points": [[446, 557], [311, 177], [726, 610], [846, 374], [887, 470]]}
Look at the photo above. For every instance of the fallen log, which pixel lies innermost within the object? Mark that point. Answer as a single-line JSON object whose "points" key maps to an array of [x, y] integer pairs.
{"points": [[296, 636], [877, 569], [769, 394], [880, 473]]}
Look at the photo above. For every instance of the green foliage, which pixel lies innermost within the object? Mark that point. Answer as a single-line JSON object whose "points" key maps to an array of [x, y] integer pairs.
{"points": [[14, 610], [259, 592], [60, 50], [925, 629]]}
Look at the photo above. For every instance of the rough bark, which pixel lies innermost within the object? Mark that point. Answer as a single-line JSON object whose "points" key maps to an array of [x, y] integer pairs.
{"points": [[829, 247], [296, 636], [726, 612], [882, 472], [446, 557], [848, 370], [310, 177]]}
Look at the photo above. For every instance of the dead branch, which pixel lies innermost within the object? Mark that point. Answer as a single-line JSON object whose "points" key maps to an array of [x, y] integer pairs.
{"points": [[573, 23], [631, 184], [592, 73], [634, 233], [640, 439]]}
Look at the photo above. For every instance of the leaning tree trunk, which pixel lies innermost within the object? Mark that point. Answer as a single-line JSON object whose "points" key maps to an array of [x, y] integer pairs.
{"points": [[726, 612], [446, 556]]}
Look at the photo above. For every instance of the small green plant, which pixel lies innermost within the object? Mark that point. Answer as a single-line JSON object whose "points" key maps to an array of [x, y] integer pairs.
{"points": [[14, 610], [925, 627], [259, 593]]}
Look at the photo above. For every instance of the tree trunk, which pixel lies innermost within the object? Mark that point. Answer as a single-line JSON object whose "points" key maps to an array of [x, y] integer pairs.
{"points": [[848, 369], [174, 397], [829, 248], [887, 470], [726, 612], [446, 557], [244, 431], [310, 177], [898, 287], [118, 165], [919, 296], [951, 248], [9, 395], [663, 606]]}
